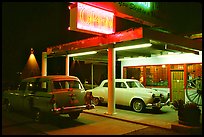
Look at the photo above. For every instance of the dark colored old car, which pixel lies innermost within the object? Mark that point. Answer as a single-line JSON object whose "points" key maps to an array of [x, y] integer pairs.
{"points": [[56, 94]]}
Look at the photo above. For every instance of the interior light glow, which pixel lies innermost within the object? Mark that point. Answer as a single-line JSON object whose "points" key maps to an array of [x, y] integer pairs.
{"points": [[82, 53], [200, 52], [129, 58], [177, 54], [163, 66], [133, 47], [173, 53]]}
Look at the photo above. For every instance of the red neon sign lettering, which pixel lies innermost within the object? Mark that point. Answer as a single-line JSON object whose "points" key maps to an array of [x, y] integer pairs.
{"points": [[94, 19]]}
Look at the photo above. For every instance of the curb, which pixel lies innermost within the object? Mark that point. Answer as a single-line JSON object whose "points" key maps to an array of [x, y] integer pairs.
{"points": [[136, 122], [186, 129], [174, 126]]}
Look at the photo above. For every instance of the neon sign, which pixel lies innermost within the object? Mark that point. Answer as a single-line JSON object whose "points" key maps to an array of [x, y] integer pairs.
{"points": [[94, 19], [143, 4], [139, 6]]}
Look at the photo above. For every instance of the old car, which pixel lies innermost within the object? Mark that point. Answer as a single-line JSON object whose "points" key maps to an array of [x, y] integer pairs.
{"points": [[55, 94], [130, 92]]}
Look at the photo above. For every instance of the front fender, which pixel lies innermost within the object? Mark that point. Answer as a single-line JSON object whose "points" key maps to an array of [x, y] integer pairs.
{"points": [[135, 97]]}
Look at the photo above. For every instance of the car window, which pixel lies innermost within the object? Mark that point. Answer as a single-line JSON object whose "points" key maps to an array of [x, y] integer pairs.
{"points": [[66, 84], [120, 85], [139, 84], [131, 84], [106, 84], [134, 84], [37, 86]]}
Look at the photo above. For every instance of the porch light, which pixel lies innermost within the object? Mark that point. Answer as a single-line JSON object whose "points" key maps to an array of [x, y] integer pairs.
{"points": [[133, 47], [82, 53]]}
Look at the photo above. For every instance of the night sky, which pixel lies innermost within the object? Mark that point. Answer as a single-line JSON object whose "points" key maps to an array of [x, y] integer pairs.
{"points": [[38, 25], [32, 25]]}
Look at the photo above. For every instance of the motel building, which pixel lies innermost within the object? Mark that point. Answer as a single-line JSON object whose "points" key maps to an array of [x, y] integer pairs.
{"points": [[158, 58]]}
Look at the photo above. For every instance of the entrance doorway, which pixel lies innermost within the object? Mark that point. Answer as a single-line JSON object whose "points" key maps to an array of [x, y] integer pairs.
{"points": [[177, 85]]}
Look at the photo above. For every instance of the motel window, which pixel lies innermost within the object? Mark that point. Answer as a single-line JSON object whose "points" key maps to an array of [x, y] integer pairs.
{"points": [[194, 70], [148, 75], [156, 76], [134, 73]]}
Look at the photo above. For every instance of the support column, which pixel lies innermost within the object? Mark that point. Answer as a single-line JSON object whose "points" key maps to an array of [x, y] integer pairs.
{"points": [[111, 81], [44, 63], [92, 76], [67, 66]]}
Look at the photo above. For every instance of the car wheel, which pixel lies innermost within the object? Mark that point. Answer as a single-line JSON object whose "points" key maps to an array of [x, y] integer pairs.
{"points": [[74, 115], [8, 106], [37, 115], [96, 101], [156, 109], [138, 105]]}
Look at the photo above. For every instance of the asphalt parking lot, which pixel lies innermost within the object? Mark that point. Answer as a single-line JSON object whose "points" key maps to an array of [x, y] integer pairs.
{"points": [[96, 122], [166, 118]]}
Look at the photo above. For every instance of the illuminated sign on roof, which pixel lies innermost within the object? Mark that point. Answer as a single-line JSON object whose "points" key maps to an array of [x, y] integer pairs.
{"points": [[90, 19], [146, 7]]}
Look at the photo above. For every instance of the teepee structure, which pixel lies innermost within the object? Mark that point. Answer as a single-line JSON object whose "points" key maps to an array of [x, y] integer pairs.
{"points": [[31, 68]]}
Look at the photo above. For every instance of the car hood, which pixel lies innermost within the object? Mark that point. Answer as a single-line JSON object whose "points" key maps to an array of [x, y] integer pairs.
{"points": [[157, 93]]}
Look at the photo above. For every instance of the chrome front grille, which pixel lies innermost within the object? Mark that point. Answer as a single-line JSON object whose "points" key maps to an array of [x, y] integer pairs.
{"points": [[156, 100]]}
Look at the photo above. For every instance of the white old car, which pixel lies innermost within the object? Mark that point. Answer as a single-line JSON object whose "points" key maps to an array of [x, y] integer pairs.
{"points": [[130, 92]]}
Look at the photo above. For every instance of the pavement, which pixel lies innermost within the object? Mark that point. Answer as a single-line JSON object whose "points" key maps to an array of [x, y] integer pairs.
{"points": [[166, 118]]}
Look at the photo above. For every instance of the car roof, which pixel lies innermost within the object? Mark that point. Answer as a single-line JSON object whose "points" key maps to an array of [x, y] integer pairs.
{"points": [[122, 80], [50, 77]]}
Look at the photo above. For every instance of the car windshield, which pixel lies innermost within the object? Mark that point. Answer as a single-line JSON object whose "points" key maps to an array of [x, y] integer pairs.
{"points": [[66, 84], [134, 84]]}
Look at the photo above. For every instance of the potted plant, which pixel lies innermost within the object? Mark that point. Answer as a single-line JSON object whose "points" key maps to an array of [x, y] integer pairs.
{"points": [[188, 113]]}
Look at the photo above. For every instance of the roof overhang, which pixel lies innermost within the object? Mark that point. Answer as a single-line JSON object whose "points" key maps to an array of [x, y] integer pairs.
{"points": [[161, 42]]}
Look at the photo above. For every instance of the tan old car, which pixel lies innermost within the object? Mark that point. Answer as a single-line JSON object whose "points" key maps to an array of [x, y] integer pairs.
{"points": [[57, 94]]}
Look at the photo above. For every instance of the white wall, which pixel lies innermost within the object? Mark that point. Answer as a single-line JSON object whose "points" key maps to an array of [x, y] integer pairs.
{"points": [[160, 60]]}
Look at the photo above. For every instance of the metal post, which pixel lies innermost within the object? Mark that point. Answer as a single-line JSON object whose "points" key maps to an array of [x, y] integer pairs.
{"points": [[44, 63], [44, 67], [111, 81], [67, 66], [92, 76]]}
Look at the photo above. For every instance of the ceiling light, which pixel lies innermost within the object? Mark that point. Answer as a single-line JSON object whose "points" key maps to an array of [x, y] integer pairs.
{"points": [[133, 46], [82, 53]]}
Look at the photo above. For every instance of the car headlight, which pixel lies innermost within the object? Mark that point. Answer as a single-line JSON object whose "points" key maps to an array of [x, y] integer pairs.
{"points": [[161, 95], [168, 95]]}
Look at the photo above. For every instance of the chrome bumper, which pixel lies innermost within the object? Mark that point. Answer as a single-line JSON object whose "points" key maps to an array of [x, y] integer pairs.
{"points": [[65, 110], [159, 104]]}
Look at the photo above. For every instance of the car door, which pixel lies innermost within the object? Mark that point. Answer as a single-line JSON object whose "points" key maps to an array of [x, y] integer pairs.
{"points": [[28, 96], [17, 97], [121, 92], [43, 96], [104, 91]]}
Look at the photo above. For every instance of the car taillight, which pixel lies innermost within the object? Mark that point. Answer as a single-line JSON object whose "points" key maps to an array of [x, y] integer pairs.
{"points": [[88, 97], [53, 102]]}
